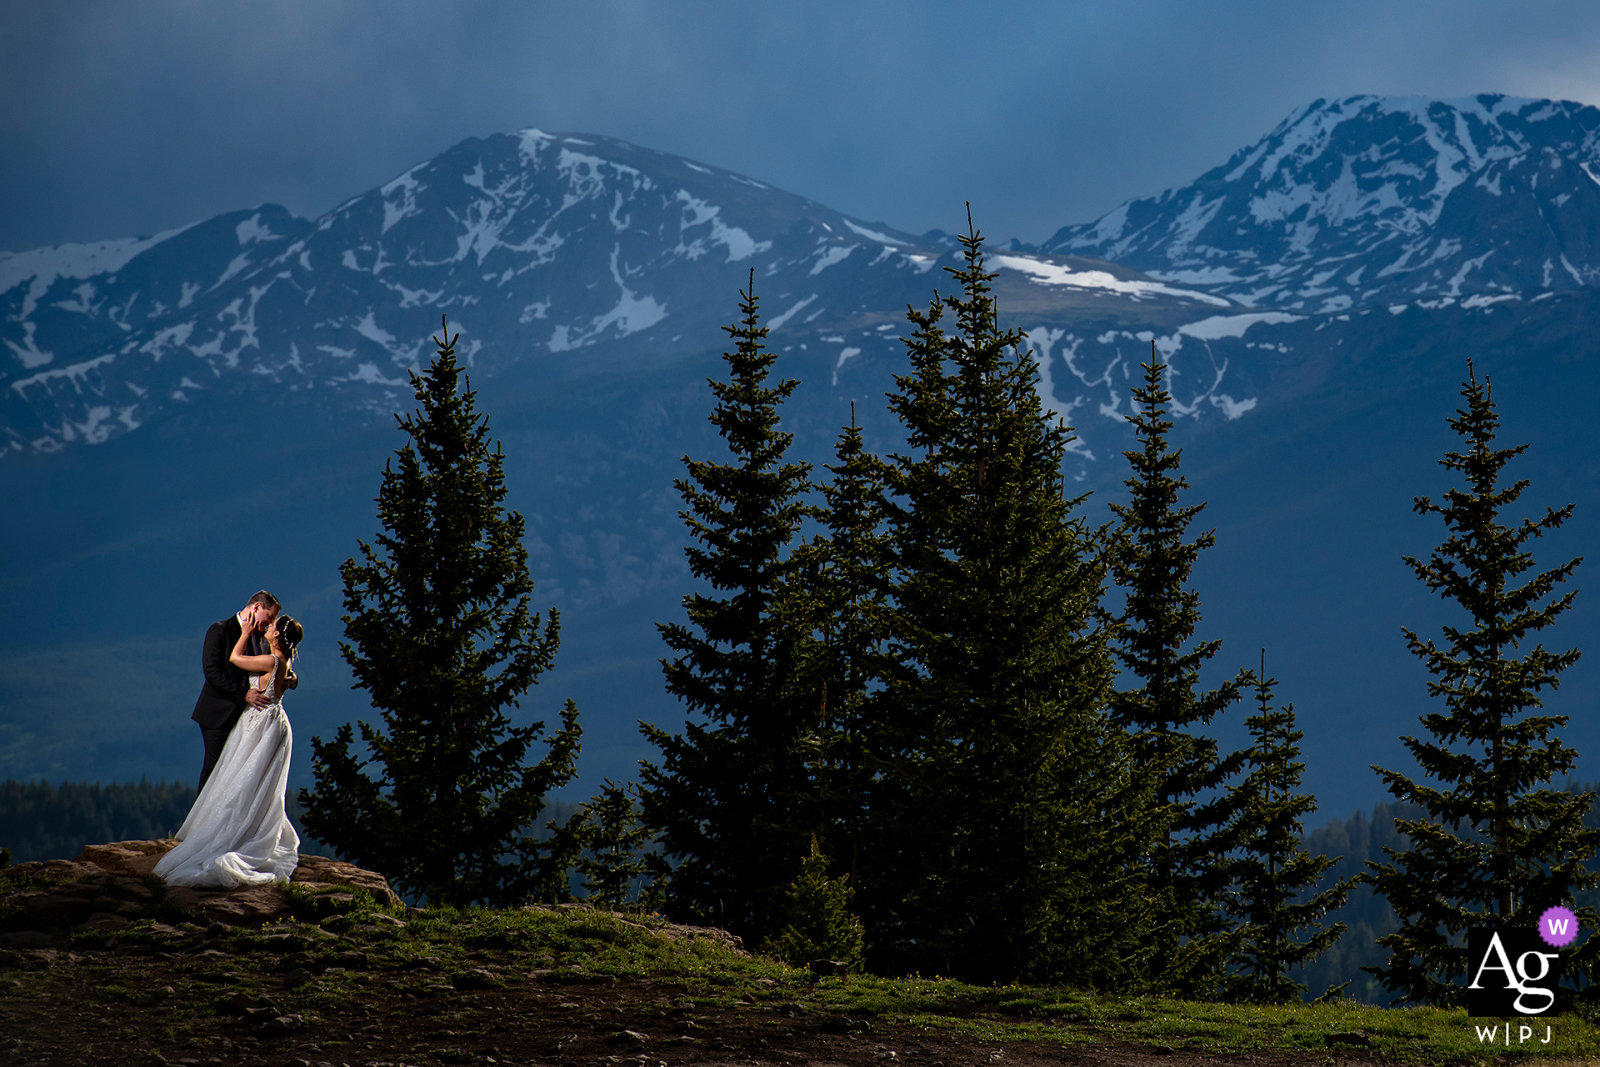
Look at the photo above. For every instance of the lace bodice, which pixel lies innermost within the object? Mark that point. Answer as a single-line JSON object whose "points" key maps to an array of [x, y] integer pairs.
{"points": [[268, 681]]}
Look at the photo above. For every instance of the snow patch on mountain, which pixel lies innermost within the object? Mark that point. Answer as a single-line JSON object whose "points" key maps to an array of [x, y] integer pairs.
{"points": [[828, 255], [400, 198], [1046, 273], [251, 230], [41, 266], [1101, 368], [1220, 326], [778, 323], [871, 235], [697, 213]]}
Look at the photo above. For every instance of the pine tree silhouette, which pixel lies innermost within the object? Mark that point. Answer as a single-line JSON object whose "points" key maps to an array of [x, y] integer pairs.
{"points": [[441, 636], [725, 791], [999, 845], [614, 839], [1188, 938], [1275, 870], [815, 921], [841, 584], [1493, 850]]}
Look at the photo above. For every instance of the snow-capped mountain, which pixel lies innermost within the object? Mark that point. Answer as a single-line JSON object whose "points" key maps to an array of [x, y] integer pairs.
{"points": [[1371, 200], [1316, 299], [552, 254]]}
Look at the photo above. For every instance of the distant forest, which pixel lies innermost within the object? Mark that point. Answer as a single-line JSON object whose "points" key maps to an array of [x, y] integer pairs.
{"points": [[40, 821], [43, 821]]}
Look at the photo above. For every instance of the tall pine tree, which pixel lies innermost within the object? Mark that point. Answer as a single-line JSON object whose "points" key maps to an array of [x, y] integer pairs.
{"points": [[1272, 876], [841, 577], [1151, 561], [730, 793], [1494, 849], [990, 840], [442, 638]]}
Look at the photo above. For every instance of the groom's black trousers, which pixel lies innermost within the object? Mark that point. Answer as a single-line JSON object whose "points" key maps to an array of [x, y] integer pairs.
{"points": [[215, 738]]}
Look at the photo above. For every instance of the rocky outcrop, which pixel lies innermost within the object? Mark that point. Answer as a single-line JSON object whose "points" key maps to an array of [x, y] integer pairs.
{"points": [[320, 871], [654, 924], [110, 886]]}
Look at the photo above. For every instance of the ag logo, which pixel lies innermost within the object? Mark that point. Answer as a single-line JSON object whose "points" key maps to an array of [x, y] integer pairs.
{"points": [[1510, 972]]}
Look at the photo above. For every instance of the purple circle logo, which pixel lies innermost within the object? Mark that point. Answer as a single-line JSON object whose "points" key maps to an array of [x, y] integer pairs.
{"points": [[1558, 926]]}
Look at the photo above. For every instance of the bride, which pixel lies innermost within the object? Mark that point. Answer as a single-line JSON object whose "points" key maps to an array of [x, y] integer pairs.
{"points": [[237, 833]]}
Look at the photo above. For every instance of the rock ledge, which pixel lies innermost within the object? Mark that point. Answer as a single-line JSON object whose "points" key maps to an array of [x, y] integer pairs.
{"points": [[109, 886]]}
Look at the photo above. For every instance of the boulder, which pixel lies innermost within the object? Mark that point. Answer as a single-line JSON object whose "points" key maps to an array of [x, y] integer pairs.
{"points": [[103, 922], [111, 885], [320, 870], [127, 857]]}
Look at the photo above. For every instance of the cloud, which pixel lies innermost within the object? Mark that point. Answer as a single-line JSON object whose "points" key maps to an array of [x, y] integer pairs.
{"points": [[128, 119]]}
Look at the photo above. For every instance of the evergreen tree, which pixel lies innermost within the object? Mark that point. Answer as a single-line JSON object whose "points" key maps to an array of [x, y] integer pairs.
{"points": [[1275, 869], [729, 795], [441, 637], [816, 920], [840, 582], [1493, 849], [1151, 562], [613, 839], [990, 838]]}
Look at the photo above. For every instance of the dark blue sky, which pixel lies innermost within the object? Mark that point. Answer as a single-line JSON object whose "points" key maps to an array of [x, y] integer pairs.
{"points": [[123, 119]]}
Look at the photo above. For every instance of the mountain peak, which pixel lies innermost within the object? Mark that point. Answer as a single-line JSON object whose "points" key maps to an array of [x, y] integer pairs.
{"points": [[553, 253], [1369, 199]]}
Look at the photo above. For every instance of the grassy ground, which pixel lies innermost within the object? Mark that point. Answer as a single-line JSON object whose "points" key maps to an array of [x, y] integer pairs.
{"points": [[569, 985]]}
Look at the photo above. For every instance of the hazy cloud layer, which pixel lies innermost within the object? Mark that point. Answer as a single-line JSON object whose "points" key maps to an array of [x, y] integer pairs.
{"points": [[123, 119]]}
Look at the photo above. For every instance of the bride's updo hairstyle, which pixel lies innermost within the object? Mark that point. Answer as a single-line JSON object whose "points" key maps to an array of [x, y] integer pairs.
{"points": [[289, 634]]}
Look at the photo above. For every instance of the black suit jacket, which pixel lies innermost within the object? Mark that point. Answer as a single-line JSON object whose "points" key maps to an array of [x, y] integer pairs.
{"points": [[222, 697]]}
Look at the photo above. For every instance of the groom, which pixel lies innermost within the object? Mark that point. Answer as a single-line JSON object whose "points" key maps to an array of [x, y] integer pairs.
{"points": [[227, 688]]}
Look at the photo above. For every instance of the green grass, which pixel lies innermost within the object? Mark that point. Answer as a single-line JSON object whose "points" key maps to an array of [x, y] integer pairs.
{"points": [[581, 947]]}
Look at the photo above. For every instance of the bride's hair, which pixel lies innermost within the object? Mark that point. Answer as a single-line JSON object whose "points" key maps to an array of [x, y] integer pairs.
{"points": [[289, 634]]}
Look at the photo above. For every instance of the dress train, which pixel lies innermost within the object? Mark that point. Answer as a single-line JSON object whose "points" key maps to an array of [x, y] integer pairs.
{"points": [[237, 832]]}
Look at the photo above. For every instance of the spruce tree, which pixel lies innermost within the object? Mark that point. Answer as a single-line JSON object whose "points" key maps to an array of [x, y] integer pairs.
{"points": [[815, 921], [613, 839], [724, 795], [1282, 926], [840, 584], [1151, 561], [1494, 850], [990, 837], [441, 636]]}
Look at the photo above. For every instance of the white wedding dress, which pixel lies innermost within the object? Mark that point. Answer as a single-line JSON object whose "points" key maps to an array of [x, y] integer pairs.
{"points": [[237, 833]]}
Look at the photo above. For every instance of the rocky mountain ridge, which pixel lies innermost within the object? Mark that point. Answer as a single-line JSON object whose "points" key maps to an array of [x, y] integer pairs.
{"points": [[1370, 201], [553, 254]]}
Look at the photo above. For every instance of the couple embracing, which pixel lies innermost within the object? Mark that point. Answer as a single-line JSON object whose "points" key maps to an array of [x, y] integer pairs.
{"points": [[237, 832]]}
